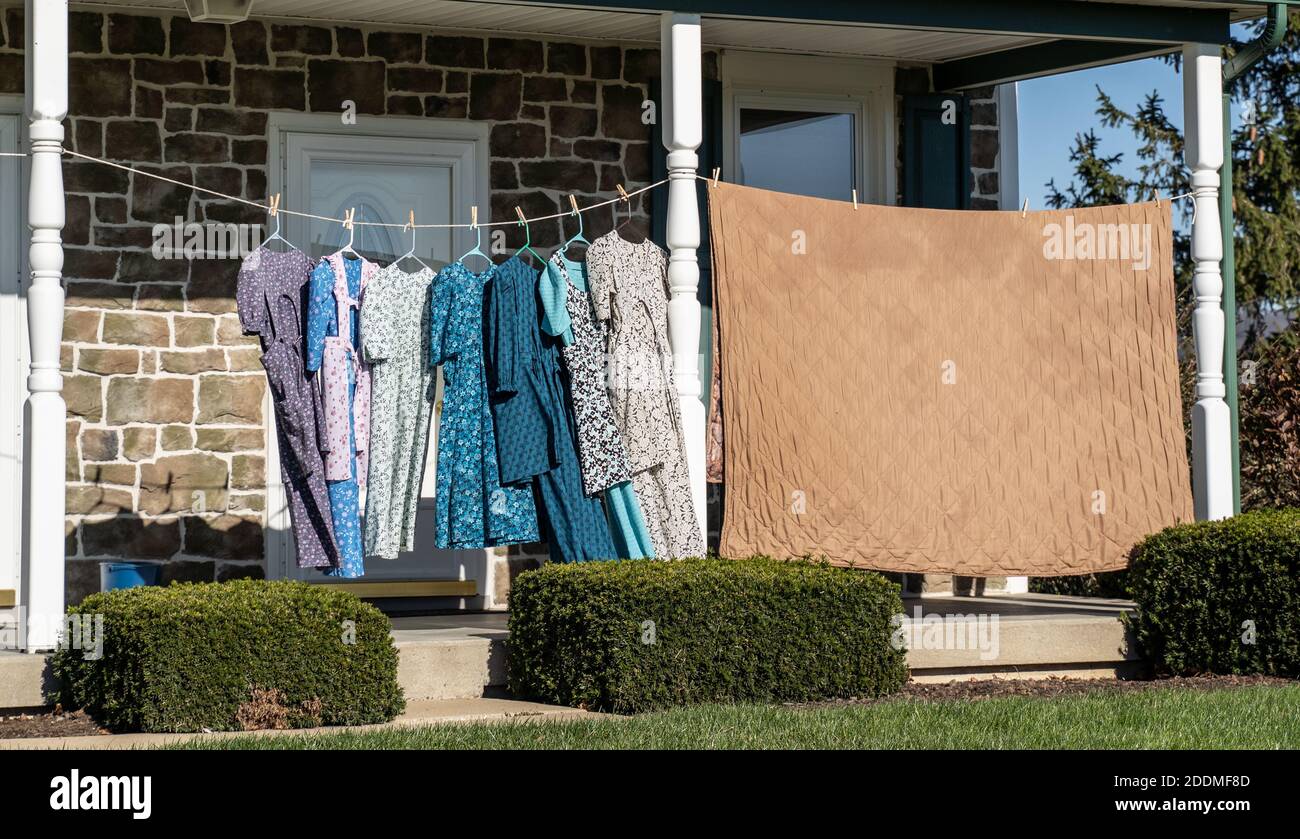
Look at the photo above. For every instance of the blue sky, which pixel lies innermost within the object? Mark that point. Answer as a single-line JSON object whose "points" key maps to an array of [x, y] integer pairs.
{"points": [[1054, 109]]}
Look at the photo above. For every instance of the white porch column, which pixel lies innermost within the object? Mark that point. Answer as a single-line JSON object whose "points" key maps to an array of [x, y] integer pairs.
{"points": [[44, 414], [682, 118], [1203, 155]]}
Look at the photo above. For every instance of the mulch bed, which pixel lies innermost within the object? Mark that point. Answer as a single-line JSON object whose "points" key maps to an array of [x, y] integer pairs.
{"points": [[54, 723], [1048, 688]]}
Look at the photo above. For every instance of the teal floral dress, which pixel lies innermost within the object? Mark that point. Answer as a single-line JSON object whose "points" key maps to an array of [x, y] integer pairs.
{"points": [[473, 509]]}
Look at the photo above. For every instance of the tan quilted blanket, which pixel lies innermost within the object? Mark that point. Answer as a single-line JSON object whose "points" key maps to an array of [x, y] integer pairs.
{"points": [[976, 393]]}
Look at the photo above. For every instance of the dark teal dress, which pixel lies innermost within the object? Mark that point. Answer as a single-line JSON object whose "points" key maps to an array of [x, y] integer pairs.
{"points": [[535, 429]]}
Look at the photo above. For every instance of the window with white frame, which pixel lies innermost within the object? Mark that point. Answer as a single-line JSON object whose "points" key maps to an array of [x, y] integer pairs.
{"points": [[809, 125]]}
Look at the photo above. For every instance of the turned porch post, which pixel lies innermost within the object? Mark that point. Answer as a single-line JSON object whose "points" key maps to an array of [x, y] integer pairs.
{"points": [[682, 117], [1203, 155], [44, 412]]}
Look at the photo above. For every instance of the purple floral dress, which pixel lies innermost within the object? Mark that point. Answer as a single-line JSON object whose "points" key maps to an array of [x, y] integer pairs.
{"points": [[271, 298]]}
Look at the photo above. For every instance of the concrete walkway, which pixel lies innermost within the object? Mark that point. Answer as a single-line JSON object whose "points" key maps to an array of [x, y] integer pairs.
{"points": [[418, 713]]}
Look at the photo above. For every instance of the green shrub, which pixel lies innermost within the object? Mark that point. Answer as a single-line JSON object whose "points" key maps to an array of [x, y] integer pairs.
{"points": [[1197, 586], [1112, 584], [1270, 412], [241, 654], [639, 635]]}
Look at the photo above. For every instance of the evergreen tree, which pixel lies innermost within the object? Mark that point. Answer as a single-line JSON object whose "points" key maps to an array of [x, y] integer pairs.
{"points": [[1266, 178]]}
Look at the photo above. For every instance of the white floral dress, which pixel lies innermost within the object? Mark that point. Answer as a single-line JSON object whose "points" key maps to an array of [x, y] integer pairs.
{"points": [[395, 341]]}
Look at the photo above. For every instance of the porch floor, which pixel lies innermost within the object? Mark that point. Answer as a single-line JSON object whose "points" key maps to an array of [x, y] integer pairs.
{"points": [[1005, 606], [464, 655], [1037, 635]]}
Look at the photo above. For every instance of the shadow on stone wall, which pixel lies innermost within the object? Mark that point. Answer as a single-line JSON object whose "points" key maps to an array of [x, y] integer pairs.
{"points": [[188, 549]]}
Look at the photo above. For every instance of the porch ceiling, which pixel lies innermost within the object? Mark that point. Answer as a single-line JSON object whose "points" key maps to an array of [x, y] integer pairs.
{"points": [[831, 28]]}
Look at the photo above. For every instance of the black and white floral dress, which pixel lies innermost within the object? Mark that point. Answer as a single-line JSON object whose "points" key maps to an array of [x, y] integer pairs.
{"points": [[629, 290], [600, 446]]}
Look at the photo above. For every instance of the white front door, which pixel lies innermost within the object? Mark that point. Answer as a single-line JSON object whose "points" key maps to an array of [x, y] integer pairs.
{"points": [[13, 343], [384, 168]]}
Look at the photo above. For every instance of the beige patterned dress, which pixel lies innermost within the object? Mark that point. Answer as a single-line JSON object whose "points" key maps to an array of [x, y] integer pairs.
{"points": [[629, 289]]}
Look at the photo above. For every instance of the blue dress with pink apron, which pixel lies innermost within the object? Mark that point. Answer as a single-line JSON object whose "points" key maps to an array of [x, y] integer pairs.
{"points": [[333, 353]]}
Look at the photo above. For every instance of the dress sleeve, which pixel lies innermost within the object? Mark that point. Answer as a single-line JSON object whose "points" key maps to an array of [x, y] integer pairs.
{"points": [[552, 286], [498, 335], [321, 313], [376, 315], [439, 316], [250, 296]]}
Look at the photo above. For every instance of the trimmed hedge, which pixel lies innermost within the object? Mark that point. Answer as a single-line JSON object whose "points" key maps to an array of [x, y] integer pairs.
{"points": [[1197, 585], [234, 655], [1113, 584], [639, 635]]}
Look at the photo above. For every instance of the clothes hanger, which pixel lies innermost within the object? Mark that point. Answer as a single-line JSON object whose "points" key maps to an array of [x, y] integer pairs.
{"points": [[577, 238], [348, 224], [477, 250], [274, 210], [629, 224], [528, 238], [411, 253]]}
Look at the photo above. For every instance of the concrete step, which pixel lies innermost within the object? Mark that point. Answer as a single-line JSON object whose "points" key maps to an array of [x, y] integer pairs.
{"points": [[431, 665], [1018, 636], [22, 680], [449, 662]]}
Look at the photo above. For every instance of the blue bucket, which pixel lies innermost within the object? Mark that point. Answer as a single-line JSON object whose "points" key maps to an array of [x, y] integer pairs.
{"points": [[115, 575]]}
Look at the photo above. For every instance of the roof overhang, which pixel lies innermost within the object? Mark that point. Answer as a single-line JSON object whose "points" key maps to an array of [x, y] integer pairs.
{"points": [[968, 43]]}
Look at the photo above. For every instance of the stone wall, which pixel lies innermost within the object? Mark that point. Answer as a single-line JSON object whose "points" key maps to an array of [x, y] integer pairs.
{"points": [[165, 429], [984, 144]]}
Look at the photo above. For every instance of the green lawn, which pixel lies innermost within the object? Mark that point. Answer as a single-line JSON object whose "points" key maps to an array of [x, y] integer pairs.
{"points": [[1164, 718]]}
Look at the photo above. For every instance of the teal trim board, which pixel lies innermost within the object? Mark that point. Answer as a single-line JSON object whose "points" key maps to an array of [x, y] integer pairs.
{"points": [[1047, 18], [1039, 60]]}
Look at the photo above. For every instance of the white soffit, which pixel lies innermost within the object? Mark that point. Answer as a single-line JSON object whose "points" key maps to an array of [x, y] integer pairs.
{"points": [[600, 25]]}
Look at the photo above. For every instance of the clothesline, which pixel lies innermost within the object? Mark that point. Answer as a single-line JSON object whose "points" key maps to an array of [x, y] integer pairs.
{"points": [[1155, 194], [520, 220]]}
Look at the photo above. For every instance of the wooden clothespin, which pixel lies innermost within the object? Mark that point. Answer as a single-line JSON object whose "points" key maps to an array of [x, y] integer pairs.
{"points": [[347, 218], [410, 225], [520, 213], [275, 204], [573, 202], [717, 173], [855, 199], [473, 217], [1157, 197], [622, 193], [1024, 208]]}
